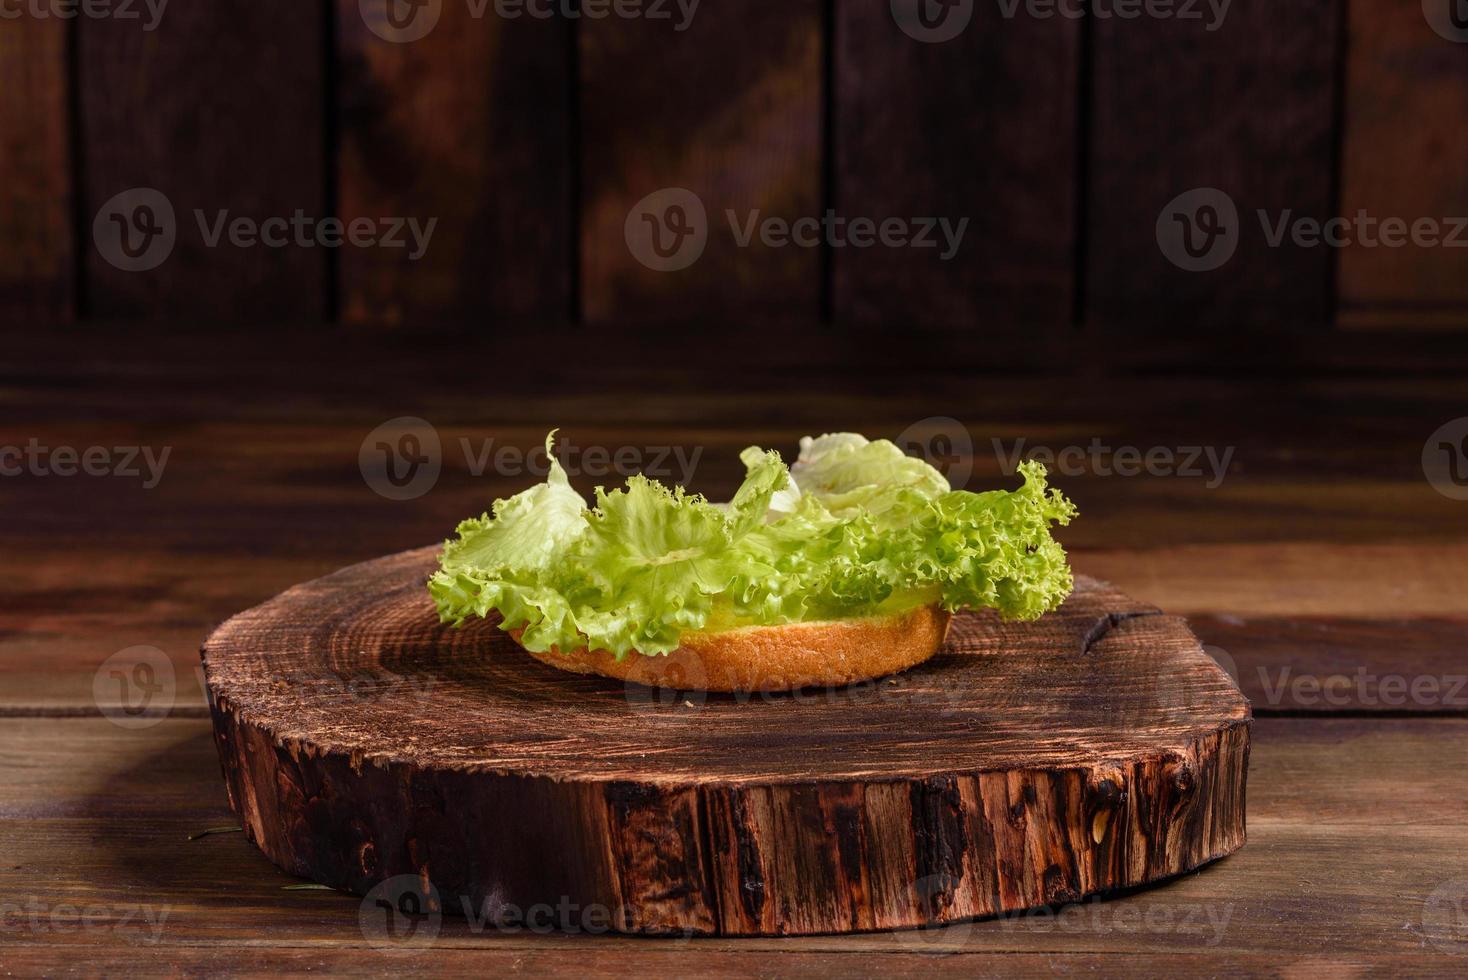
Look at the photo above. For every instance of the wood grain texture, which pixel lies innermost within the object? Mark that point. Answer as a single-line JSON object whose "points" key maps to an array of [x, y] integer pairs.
{"points": [[728, 108], [468, 126], [1406, 96], [701, 814], [220, 109], [1248, 109], [36, 248], [980, 127]]}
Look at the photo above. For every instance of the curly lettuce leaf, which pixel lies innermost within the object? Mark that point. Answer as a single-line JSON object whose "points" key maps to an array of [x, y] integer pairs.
{"points": [[528, 533], [855, 528], [848, 474]]}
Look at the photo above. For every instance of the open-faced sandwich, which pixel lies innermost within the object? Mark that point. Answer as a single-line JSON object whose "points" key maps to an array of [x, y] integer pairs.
{"points": [[843, 567]]}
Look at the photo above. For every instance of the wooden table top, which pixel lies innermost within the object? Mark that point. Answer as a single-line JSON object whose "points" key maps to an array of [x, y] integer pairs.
{"points": [[1321, 564]]}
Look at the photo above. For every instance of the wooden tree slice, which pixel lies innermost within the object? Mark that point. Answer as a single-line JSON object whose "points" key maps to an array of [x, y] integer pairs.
{"points": [[1027, 764]]}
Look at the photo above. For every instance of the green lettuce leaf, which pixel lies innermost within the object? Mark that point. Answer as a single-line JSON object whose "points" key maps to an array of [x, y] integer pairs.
{"points": [[855, 528], [849, 475]]}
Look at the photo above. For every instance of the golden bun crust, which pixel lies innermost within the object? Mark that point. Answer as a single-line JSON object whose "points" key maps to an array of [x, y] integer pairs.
{"points": [[775, 658]]}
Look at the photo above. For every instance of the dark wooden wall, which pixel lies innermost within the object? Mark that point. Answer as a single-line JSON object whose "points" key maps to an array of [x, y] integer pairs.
{"points": [[529, 140]]}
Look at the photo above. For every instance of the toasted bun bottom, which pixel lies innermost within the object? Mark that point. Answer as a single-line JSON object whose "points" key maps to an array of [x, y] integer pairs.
{"points": [[774, 658]]}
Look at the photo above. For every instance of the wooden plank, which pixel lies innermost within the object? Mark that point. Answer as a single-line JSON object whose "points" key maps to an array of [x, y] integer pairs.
{"points": [[36, 251], [980, 127], [1340, 663], [218, 110], [1337, 807], [661, 959], [1247, 109], [727, 108], [1406, 96], [1304, 578], [467, 126]]}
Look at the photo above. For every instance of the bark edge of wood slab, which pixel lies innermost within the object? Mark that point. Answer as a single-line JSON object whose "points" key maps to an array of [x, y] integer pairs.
{"points": [[1026, 764]]}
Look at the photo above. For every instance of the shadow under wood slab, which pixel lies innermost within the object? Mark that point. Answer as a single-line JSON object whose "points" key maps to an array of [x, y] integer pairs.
{"points": [[1028, 763]]}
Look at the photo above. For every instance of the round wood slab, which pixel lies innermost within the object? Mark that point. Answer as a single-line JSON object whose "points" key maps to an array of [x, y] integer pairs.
{"points": [[1027, 764]]}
